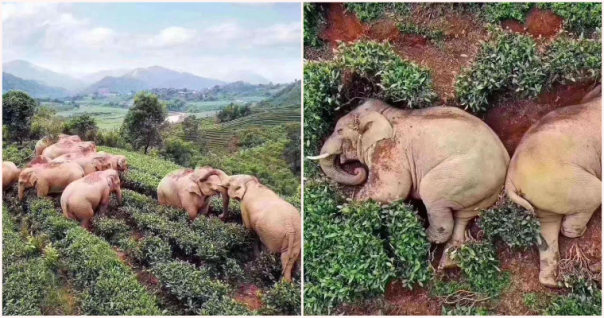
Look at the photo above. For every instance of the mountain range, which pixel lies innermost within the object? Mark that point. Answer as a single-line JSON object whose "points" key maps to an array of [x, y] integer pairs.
{"points": [[33, 88], [49, 83]]}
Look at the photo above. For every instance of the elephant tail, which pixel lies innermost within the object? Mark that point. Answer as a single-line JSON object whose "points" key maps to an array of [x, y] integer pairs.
{"points": [[517, 198], [65, 207]]}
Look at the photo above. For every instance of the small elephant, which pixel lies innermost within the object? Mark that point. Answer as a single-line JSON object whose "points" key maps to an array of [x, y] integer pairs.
{"points": [[10, 174], [48, 178], [47, 141], [90, 162], [444, 156], [68, 146], [276, 222], [117, 162], [82, 197], [183, 189], [556, 171]]}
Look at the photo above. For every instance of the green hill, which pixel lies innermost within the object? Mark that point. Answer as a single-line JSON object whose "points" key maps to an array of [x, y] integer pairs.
{"points": [[35, 89]]}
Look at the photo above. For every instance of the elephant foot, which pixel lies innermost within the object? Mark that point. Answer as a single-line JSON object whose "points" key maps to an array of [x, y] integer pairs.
{"points": [[548, 279], [222, 217], [437, 236], [446, 261], [573, 232]]}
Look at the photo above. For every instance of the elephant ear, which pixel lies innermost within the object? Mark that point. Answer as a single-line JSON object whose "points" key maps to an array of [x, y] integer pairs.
{"points": [[112, 180], [32, 178], [373, 127], [194, 188]]}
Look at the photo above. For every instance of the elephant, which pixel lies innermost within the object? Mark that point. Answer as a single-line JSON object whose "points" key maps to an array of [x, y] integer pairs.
{"points": [[276, 222], [68, 146], [556, 172], [50, 177], [93, 162], [184, 189], [447, 158], [47, 141], [82, 197], [10, 174]]}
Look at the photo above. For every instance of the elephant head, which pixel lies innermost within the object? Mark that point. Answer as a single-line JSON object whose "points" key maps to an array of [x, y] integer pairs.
{"points": [[101, 164], [87, 146], [238, 185], [354, 139], [113, 181], [27, 179], [211, 186], [121, 163]]}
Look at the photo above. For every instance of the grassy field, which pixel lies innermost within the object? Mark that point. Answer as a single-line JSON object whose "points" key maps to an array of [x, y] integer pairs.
{"points": [[106, 117]]}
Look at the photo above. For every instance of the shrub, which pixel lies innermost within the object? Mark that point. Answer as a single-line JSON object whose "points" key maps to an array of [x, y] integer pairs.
{"points": [[584, 299], [579, 17], [569, 60], [82, 125], [224, 306], [478, 261], [344, 259], [495, 12], [282, 299], [368, 11], [508, 62], [25, 286], [112, 230], [232, 112], [312, 19], [460, 310], [266, 269], [178, 151], [17, 110], [514, 225], [433, 35], [18, 154], [190, 285]]}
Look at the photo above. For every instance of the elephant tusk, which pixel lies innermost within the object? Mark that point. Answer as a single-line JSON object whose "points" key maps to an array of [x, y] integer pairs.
{"points": [[323, 156]]}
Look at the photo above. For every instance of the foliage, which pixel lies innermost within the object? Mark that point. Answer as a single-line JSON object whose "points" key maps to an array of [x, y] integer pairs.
{"points": [[18, 154], [291, 153], [312, 19], [110, 138], [579, 17], [495, 12], [224, 306], [144, 121], [431, 34], [343, 259], [507, 62], [232, 112], [478, 261], [460, 310], [25, 287], [514, 225], [45, 123], [584, 299], [282, 300], [82, 125], [371, 11], [178, 151], [266, 268], [18, 109], [569, 60], [112, 230]]}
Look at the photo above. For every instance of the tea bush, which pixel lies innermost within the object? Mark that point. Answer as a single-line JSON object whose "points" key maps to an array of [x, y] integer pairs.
{"points": [[371, 11], [511, 223], [460, 310], [584, 299], [112, 230], [312, 19], [282, 300], [225, 306], [431, 34], [25, 287], [495, 12], [478, 261], [507, 62], [569, 60]]}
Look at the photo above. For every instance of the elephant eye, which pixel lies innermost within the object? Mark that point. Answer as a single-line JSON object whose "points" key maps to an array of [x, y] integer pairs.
{"points": [[340, 131]]}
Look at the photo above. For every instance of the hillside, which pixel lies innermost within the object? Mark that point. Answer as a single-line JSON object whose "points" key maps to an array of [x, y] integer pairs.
{"points": [[29, 71], [152, 77], [290, 95], [35, 89]]}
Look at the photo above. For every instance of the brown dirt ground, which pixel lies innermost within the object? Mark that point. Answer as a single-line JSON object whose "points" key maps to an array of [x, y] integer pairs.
{"points": [[510, 118], [249, 295]]}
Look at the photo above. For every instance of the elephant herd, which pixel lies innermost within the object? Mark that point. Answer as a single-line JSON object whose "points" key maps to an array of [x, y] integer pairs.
{"points": [[86, 178], [457, 165]]}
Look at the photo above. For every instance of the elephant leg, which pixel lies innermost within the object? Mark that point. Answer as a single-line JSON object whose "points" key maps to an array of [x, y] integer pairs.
{"points": [[441, 224], [191, 210], [160, 197], [549, 254], [42, 189], [205, 208], [574, 225], [286, 266], [462, 218], [585, 204]]}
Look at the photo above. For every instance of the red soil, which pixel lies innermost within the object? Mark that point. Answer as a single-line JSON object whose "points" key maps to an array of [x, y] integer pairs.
{"points": [[249, 295], [539, 23], [411, 302], [342, 26]]}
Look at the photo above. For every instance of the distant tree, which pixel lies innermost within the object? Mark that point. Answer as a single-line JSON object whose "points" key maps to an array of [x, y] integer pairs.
{"points": [[82, 125], [192, 133], [144, 121], [291, 154], [46, 123], [178, 150], [17, 111], [232, 112], [176, 105]]}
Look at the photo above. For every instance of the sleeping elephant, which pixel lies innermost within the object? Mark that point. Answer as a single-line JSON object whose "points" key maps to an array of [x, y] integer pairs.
{"points": [[276, 221], [48, 178], [47, 141], [556, 172], [10, 174], [93, 162], [184, 189], [444, 156], [82, 197], [65, 147]]}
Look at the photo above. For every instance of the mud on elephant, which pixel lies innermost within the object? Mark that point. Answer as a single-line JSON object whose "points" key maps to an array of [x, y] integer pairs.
{"points": [[556, 172], [65, 147], [184, 189], [276, 222], [48, 178], [447, 158], [83, 197]]}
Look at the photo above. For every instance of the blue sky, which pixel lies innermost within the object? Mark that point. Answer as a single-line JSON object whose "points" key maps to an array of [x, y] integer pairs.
{"points": [[208, 39]]}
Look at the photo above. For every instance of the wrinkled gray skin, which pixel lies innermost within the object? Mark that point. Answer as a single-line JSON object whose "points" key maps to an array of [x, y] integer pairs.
{"points": [[444, 156], [556, 172]]}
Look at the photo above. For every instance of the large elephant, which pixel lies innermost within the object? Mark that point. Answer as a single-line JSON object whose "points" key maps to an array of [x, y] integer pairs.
{"points": [[68, 146], [82, 197], [276, 221], [93, 162], [48, 178], [10, 174], [444, 156], [184, 189], [117, 162], [47, 141], [556, 171]]}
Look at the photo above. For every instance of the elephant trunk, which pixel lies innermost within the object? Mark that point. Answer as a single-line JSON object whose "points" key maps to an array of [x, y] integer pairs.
{"points": [[224, 178], [21, 191], [330, 150], [225, 203]]}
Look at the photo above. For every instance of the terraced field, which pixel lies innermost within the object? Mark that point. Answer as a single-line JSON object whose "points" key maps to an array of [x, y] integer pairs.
{"points": [[140, 259]]}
